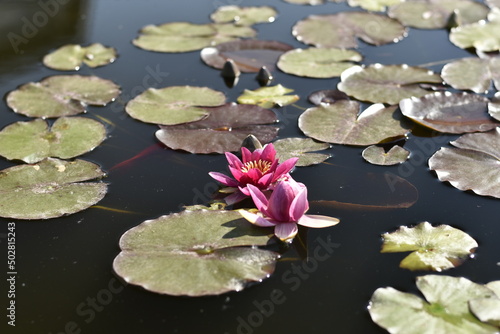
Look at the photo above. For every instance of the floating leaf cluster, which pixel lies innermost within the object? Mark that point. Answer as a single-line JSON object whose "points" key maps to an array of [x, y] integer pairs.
{"points": [[70, 57]]}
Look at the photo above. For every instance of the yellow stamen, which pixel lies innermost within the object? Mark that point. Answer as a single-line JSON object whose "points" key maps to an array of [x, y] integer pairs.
{"points": [[262, 165]]}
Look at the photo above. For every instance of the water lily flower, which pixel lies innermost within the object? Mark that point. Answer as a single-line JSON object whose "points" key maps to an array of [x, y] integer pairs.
{"points": [[259, 168], [285, 208]]}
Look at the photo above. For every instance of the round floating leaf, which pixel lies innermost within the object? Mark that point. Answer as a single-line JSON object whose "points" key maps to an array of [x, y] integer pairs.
{"points": [[61, 95], [373, 5], [327, 96], [268, 97], [248, 55], [33, 141], [386, 83], [71, 56], [244, 16], [487, 309], [185, 36], [378, 156], [474, 74], [481, 35], [474, 165], [222, 131], [339, 123], [450, 112], [433, 248], [318, 62], [49, 189], [445, 311], [435, 14], [174, 104], [301, 148], [195, 253], [341, 30]]}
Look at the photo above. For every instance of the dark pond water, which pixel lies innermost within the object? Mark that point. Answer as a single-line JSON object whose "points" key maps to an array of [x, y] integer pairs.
{"points": [[65, 282]]}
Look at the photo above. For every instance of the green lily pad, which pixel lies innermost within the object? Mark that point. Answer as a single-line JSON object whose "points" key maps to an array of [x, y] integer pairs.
{"points": [[61, 95], [33, 141], [268, 97], [70, 57], [244, 16], [222, 131], [435, 14], [386, 83], [473, 165], [341, 30], [195, 253], [49, 189], [378, 156], [185, 36], [301, 148], [445, 311], [450, 112], [339, 123], [373, 5], [481, 35], [474, 74], [174, 105], [488, 309], [318, 62], [309, 2], [433, 248]]}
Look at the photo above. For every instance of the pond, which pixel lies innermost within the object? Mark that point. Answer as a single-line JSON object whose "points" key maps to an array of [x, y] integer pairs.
{"points": [[64, 281]]}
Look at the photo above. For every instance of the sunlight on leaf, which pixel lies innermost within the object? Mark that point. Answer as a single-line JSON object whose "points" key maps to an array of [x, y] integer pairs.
{"points": [[67, 138], [302, 148], [339, 123], [433, 248], [481, 35], [473, 165], [327, 96], [222, 131], [373, 5], [195, 253], [318, 62], [386, 83], [174, 105], [488, 309], [474, 74], [61, 95], [445, 311], [49, 189], [70, 57], [378, 156], [244, 16], [268, 97]]}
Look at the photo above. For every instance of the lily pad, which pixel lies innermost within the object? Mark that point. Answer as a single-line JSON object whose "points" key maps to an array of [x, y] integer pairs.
{"points": [[378, 156], [473, 165], [341, 30], [450, 112], [248, 55], [445, 311], [386, 83], [61, 95], [435, 14], [49, 189], [433, 248], [493, 3], [327, 96], [244, 16], [318, 62], [222, 131], [339, 123], [70, 57], [185, 36], [373, 5], [494, 107], [268, 97], [195, 253], [488, 309], [301, 148], [481, 35], [174, 105], [33, 141], [474, 74]]}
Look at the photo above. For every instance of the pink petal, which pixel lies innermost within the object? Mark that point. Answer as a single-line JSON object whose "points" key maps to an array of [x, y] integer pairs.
{"points": [[255, 219], [299, 205], [284, 167], [265, 180], [237, 173], [235, 198], [286, 231], [279, 202], [317, 221], [269, 153], [224, 179], [246, 154], [233, 160], [259, 199]]}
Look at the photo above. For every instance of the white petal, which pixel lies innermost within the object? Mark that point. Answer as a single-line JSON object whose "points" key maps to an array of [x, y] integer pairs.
{"points": [[317, 221], [286, 231], [255, 219]]}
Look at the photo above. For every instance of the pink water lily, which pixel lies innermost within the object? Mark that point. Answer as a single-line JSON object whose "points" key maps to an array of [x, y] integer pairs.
{"points": [[285, 208], [259, 168]]}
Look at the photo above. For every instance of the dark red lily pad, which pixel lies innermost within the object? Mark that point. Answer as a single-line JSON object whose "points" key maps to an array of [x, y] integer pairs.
{"points": [[450, 112], [248, 55], [223, 130]]}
